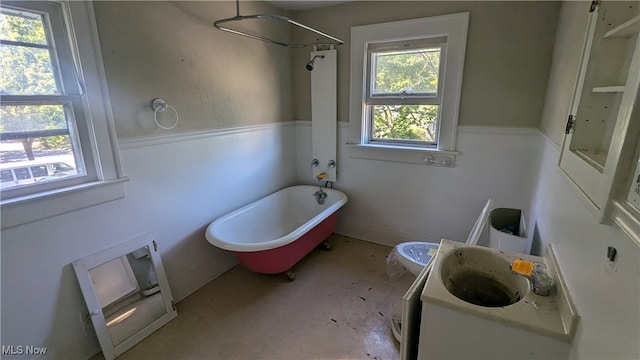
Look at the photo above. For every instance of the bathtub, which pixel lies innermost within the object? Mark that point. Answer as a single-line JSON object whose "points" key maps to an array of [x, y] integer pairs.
{"points": [[272, 234]]}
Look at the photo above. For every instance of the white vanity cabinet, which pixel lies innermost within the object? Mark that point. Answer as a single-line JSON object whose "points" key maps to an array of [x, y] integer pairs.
{"points": [[602, 129]]}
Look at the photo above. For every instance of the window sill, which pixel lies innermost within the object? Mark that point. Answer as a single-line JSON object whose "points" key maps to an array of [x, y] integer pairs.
{"points": [[403, 154], [26, 209]]}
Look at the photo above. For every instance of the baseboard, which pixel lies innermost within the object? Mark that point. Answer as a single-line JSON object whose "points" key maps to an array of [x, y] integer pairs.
{"points": [[378, 234], [195, 286]]}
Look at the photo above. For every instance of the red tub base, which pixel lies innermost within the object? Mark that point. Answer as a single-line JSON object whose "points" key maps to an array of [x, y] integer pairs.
{"points": [[283, 258]]}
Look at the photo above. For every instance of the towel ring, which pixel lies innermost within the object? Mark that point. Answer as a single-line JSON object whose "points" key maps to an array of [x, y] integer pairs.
{"points": [[160, 105]]}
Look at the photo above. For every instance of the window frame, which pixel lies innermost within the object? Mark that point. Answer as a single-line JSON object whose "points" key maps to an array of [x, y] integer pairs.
{"points": [[69, 96], [89, 98], [453, 28], [403, 98]]}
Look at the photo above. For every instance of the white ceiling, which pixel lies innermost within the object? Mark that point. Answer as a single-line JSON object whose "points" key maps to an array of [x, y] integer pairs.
{"points": [[295, 5]]}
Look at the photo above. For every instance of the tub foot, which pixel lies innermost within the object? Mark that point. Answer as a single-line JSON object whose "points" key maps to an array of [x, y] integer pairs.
{"points": [[325, 245], [291, 275]]}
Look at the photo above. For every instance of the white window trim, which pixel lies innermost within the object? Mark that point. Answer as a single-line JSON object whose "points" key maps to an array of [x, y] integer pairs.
{"points": [[454, 26], [438, 42], [80, 19]]}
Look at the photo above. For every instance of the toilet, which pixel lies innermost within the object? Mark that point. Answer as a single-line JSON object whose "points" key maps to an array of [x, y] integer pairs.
{"points": [[415, 255]]}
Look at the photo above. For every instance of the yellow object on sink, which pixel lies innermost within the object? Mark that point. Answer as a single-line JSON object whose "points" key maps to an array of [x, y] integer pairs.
{"points": [[522, 267]]}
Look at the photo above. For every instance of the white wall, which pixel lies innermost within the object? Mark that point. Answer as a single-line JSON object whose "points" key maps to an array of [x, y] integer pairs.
{"points": [[391, 202], [607, 297], [176, 189]]}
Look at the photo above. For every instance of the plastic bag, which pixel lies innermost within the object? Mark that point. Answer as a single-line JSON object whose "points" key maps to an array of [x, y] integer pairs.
{"points": [[542, 282], [395, 269]]}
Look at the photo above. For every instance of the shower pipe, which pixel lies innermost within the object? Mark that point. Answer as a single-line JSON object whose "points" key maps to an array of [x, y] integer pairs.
{"points": [[309, 65], [334, 41]]}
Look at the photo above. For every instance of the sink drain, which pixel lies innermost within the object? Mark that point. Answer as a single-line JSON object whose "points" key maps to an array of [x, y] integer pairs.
{"points": [[479, 289], [482, 277]]}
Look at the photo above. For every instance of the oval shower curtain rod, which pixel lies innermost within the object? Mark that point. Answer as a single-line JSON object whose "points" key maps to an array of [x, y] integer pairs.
{"points": [[334, 41]]}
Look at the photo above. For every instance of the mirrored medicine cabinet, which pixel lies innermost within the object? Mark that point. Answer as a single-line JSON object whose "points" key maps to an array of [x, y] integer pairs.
{"points": [[600, 151], [126, 292]]}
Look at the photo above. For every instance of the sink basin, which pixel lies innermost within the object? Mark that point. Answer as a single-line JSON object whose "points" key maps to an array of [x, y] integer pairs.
{"points": [[478, 281], [482, 278]]}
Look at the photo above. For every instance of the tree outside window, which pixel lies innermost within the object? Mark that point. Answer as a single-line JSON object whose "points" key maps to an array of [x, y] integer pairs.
{"points": [[404, 84], [34, 112]]}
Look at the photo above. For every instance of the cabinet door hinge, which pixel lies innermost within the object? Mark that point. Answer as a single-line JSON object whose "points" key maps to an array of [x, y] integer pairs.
{"points": [[594, 5], [155, 246], [173, 305], [570, 125]]}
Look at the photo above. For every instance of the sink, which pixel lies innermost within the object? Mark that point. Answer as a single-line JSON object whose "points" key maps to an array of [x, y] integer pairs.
{"points": [[471, 292], [482, 278], [474, 282]]}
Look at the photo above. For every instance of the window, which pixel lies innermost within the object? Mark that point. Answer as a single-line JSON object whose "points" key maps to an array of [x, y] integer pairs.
{"points": [[403, 97], [55, 130], [41, 97], [405, 88]]}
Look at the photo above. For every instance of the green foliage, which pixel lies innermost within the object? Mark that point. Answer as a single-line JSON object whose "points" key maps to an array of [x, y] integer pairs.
{"points": [[405, 122], [24, 27], [28, 70], [55, 142], [412, 71], [25, 70], [32, 117]]}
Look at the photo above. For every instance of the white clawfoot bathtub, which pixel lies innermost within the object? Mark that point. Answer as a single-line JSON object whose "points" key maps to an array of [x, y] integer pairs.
{"points": [[272, 234]]}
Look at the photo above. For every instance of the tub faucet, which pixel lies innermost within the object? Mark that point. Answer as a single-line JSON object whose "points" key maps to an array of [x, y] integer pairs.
{"points": [[320, 196]]}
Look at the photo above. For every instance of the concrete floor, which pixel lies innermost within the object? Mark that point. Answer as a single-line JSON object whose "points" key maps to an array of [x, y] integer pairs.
{"points": [[338, 307]]}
